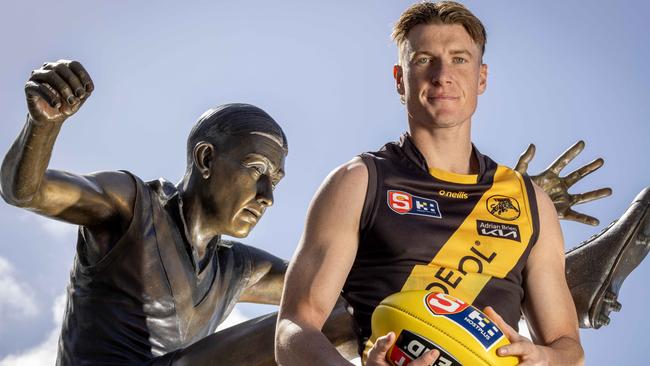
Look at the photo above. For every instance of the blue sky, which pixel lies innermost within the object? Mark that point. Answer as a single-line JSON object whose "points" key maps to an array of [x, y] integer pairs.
{"points": [[558, 72]]}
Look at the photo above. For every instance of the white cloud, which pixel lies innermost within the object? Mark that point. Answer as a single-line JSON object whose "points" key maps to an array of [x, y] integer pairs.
{"points": [[16, 298], [57, 229], [44, 353]]}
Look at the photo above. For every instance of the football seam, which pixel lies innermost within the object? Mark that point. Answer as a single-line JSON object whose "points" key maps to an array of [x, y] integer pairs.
{"points": [[438, 328]]}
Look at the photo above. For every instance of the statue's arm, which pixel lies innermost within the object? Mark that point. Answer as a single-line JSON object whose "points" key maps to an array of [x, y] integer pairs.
{"points": [[267, 278], [55, 92]]}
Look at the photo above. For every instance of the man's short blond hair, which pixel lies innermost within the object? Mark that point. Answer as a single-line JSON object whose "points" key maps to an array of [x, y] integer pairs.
{"points": [[442, 12]]}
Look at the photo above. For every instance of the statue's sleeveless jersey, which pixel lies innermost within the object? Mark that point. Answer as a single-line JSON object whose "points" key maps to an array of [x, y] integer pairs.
{"points": [[466, 235], [147, 297]]}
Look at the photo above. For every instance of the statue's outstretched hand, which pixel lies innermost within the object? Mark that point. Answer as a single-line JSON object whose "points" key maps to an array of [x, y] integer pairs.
{"points": [[558, 187], [57, 90]]}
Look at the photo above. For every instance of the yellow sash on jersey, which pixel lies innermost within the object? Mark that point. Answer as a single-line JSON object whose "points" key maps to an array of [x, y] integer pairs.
{"points": [[455, 268], [467, 261]]}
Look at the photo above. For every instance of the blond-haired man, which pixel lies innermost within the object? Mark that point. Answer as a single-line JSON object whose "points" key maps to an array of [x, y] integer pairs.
{"points": [[408, 216]]}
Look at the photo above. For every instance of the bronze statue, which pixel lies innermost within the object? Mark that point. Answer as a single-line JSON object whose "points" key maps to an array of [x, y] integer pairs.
{"points": [[152, 274], [154, 295]]}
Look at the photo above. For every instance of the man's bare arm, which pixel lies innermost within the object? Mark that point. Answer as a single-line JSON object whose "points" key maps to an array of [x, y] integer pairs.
{"points": [[319, 268], [55, 92], [548, 308]]}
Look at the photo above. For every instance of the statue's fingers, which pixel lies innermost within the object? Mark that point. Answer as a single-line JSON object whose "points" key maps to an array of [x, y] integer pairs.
{"points": [[576, 175], [590, 196], [66, 74], [83, 75], [566, 157], [35, 90], [525, 158], [581, 218], [51, 78]]}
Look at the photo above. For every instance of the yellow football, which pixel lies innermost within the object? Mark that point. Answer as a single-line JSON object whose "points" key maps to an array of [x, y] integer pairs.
{"points": [[424, 320]]}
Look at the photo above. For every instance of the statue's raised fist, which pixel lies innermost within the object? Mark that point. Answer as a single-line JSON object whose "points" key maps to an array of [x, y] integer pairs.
{"points": [[57, 90]]}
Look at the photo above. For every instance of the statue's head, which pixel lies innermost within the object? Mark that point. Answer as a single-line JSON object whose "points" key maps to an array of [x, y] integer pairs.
{"points": [[235, 158]]}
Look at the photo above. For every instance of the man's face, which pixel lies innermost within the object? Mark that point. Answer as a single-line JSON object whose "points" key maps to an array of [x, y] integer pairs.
{"points": [[441, 75], [241, 183]]}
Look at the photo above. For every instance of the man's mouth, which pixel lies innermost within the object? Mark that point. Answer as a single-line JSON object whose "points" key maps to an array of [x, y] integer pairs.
{"points": [[442, 97]]}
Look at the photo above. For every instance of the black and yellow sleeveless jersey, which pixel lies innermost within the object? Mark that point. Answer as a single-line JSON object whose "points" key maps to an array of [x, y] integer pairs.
{"points": [[421, 228]]}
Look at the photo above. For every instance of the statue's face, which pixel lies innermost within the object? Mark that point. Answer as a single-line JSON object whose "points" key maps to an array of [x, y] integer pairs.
{"points": [[441, 75], [241, 183]]}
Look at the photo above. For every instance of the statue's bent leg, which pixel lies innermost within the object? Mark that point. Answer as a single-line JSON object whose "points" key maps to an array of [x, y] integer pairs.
{"points": [[596, 269], [251, 343]]}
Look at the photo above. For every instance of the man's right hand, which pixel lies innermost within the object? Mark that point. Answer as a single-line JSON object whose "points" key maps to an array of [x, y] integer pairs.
{"points": [[377, 354], [57, 90]]}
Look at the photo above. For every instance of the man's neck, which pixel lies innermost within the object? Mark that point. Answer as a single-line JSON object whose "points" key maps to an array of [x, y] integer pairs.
{"points": [[448, 149]]}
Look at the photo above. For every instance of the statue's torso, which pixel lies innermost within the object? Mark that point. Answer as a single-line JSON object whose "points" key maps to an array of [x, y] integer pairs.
{"points": [[145, 298]]}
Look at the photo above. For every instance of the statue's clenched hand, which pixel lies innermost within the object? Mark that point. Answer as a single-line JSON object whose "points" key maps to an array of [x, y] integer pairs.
{"points": [[57, 90], [558, 187]]}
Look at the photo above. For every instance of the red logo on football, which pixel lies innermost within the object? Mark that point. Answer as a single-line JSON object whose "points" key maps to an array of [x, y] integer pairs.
{"points": [[400, 202], [442, 304]]}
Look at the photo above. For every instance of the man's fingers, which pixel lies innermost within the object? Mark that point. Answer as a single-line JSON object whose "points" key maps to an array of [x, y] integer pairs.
{"points": [[510, 333], [578, 217], [55, 81], [39, 90], [524, 159], [426, 359], [566, 157], [575, 176], [382, 345], [83, 76], [520, 348]]}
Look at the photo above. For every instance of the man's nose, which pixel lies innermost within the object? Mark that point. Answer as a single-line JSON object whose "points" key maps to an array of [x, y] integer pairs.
{"points": [[265, 191], [440, 73]]}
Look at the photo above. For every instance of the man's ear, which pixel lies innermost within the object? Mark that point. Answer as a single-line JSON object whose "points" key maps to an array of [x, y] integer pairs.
{"points": [[399, 81], [482, 78], [202, 156]]}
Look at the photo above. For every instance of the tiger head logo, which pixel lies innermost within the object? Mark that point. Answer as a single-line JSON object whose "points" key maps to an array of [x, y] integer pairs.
{"points": [[503, 207]]}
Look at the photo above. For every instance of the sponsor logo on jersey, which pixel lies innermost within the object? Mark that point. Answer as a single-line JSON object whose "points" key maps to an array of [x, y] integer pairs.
{"points": [[498, 230], [477, 324], [405, 203], [410, 346], [503, 207], [473, 262], [452, 194]]}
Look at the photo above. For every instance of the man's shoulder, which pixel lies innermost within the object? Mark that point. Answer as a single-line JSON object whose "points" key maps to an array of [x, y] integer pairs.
{"points": [[355, 171]]}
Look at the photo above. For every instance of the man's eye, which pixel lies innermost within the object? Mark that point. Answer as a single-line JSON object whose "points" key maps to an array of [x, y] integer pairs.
{"points": [[422, 60], [459, 60]]}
